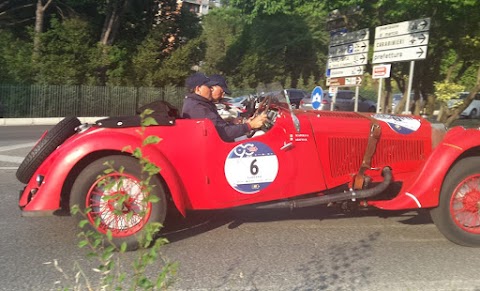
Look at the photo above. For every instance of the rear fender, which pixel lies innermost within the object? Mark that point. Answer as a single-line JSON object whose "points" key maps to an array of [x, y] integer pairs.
{"points": [[423, 189], [59, 165]]}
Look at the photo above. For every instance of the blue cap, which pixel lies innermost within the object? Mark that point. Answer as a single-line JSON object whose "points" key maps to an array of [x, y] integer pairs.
{"points": [[221, 82], [198, 79]]}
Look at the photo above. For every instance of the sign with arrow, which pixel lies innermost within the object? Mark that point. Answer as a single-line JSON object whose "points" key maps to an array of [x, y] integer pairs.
{"points": [[350, 71], [348, 53], [402, 41], [349, 37], [401, 28], [399, 55], [344, 81], [347, 61], [348, 49], [409, 40]]}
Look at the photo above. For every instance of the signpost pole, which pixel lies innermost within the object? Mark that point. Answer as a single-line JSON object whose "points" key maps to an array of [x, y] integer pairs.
{"points": [[357, 89], [409, 89], [380, 82], [332, 104]]}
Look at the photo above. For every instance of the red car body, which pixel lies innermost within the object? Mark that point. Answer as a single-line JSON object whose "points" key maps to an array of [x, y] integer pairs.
{"points": [[303, 156]]}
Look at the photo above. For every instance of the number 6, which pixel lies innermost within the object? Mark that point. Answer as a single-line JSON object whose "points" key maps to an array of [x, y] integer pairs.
{"points": [[253, 167]]}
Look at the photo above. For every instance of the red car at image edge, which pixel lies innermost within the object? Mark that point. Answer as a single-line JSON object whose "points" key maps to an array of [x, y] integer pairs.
{"points": [[303, 159]]}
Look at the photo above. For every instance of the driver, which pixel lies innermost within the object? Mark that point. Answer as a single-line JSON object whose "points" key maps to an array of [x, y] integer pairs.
{"points": [[199, 104]]}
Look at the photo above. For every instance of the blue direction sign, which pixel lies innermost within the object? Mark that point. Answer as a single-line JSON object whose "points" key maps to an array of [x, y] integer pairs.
{"points": [[317, 95]]}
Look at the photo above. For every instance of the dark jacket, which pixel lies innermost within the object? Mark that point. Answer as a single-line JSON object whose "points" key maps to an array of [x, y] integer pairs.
{"points": [[195, 106]]}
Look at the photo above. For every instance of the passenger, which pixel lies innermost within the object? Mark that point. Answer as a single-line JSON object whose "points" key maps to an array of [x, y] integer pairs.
{"points": [[199, 104], [220, 89]]}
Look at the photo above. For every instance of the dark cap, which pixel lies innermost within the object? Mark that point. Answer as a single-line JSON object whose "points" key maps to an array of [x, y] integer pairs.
{"points": [[198, 79], [221, 82]]}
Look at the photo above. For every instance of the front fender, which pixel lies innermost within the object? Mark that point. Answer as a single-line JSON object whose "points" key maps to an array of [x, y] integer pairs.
{"points": [[422, 190], [61, 162]]}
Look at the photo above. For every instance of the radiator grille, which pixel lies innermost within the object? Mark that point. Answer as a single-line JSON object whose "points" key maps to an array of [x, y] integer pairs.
{"points": [[346, 154]]}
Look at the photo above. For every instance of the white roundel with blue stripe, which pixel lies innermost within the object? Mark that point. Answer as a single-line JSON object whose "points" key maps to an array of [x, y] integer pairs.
{"points": [[400, 124], [251, 167]]}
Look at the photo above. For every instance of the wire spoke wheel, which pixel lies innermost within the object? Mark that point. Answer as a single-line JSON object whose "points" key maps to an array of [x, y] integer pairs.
{"points": [[119, 201], [465, 204], [457, 216]]}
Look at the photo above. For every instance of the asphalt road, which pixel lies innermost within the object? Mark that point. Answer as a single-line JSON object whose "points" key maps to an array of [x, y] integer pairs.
{"points": [[304, 249]]}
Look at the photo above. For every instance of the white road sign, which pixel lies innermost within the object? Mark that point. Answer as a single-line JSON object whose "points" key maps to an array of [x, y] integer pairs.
{"points": [[350, 71], [353, 81], [401, 28], [344, 81], [381, 71], [349, 37], [402, 41], [347, 61], [399, 55], [348, 49]]}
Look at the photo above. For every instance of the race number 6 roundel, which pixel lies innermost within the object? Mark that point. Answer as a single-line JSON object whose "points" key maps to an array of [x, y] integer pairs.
{"points": [[251, 167]]}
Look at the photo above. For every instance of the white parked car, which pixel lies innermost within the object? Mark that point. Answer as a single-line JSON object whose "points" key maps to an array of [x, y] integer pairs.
{"points": [[472, 111]]}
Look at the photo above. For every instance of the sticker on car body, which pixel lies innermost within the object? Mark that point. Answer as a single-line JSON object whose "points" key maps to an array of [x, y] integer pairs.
{"points": [[400, 124], [251, 167]]}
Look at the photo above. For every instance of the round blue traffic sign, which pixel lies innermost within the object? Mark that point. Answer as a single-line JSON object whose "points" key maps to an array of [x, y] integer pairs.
{"points": [[317, 95]]}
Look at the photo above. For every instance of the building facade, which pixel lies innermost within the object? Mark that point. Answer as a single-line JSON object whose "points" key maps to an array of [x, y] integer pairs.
{"points": [[199, 7]]}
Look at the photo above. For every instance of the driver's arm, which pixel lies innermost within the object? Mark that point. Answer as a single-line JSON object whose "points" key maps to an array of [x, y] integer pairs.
{"points": [[257, 121]]}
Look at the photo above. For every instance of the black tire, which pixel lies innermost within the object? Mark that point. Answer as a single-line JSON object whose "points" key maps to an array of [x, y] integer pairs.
{"points": [[456, 185], [88, 190], [54, 137]]}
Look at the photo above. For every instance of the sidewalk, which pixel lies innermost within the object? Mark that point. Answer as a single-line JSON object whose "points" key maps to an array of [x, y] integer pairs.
{"points": [[41, 121]]}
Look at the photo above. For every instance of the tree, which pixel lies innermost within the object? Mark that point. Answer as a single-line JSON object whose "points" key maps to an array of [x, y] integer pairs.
{"points": [[15, 59], [181, 63], [42, 6], [279, 40], [66, 53], [222, 28]]}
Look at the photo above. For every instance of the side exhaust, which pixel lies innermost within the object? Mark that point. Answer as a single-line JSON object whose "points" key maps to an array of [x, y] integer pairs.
{"points": [[335, 197]]}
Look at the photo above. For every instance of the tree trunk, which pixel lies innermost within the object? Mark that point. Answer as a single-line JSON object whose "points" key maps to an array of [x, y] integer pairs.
{"points": [[109, 33], [112, 22], [452, 67], [39, 19], [466, 102], [387, 98], [462, 71]]}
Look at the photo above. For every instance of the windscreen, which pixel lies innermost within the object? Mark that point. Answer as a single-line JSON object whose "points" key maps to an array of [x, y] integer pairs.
{"points": [[279, 95]]}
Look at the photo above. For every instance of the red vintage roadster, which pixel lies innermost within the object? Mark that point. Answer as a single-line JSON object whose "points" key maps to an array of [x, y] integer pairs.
{"points": [[305, 158]]}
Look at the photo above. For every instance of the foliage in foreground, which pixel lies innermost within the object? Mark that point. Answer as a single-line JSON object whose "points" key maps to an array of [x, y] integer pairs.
{"points": [[113, 272]]}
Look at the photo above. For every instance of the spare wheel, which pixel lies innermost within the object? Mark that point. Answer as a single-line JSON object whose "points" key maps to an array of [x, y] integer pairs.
{"points": [[45, 146]]}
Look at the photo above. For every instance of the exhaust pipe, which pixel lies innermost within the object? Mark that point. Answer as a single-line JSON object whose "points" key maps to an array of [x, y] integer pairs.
{"points": [[335, 197]]}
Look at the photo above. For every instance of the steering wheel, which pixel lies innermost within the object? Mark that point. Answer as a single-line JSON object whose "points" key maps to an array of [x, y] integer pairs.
{"points": [[263, 106]]}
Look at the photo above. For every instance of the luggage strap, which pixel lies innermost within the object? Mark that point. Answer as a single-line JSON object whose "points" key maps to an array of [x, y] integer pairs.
{"points": [[374, 136]]}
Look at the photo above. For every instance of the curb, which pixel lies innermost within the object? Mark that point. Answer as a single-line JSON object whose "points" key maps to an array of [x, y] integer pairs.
{"points": [[42, 121]]}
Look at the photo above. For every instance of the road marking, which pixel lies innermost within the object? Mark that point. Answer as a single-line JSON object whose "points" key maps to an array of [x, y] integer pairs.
{"points": [[17, 146], [9, 159], [13, 159]]}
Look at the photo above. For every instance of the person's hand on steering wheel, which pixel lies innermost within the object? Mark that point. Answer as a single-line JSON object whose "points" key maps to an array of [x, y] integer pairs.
{"points": [[257, 121], [260, 117]]}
